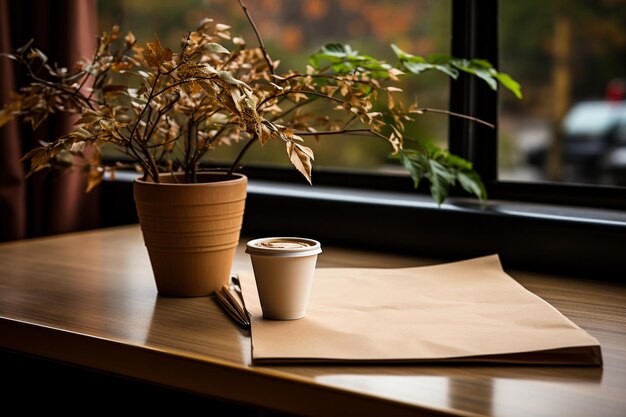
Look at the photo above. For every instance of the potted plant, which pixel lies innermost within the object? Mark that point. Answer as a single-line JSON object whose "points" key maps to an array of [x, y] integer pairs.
{"points": [[166, 110]]}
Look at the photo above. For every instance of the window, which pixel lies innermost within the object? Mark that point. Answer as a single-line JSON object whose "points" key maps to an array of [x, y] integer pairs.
{"points": [[565, 235], [294, 29], [571, 60], [476, 29]]}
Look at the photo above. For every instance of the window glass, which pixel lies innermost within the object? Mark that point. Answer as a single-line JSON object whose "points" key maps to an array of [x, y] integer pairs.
{"points": [[292, 30], [570, 57]]}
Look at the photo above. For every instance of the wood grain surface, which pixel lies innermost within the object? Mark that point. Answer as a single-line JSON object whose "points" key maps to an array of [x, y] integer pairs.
{"points": [[89, 299]]}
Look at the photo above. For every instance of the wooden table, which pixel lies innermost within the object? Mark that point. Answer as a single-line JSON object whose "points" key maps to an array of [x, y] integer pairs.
{"points": [[89, 299]]}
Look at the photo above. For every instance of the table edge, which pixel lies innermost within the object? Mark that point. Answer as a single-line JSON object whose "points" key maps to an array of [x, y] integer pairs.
{"points": [[252, 386]]}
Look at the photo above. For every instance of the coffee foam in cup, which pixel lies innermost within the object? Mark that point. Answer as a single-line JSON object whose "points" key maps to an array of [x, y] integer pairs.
{"points": [[284, 243], [283, 246]]}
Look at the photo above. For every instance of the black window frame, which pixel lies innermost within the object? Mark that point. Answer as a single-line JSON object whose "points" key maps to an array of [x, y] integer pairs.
{"points": [[384, 212], [475, 34]]}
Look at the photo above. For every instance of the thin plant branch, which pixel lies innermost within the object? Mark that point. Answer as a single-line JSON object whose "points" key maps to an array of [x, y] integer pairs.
{"points": [[258, 37], [243, 151], [451, 113], [344, 132]]}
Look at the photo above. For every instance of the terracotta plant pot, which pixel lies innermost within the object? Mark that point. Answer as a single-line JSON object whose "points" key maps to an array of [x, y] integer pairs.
{"points": [[191, 230]]}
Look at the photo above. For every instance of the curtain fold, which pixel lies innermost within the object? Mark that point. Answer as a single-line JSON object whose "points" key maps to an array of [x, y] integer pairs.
{"points": [[49, 202]]}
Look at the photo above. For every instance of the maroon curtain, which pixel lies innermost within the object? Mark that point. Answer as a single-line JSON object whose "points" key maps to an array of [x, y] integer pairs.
{"points": [[53, 202]]}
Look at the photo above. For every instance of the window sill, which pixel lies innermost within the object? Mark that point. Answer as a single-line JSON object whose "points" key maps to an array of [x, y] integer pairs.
{"points": [[558, 239]]}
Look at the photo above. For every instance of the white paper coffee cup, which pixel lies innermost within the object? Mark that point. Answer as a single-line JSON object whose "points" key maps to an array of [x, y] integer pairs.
{"points": [[283, 270]]}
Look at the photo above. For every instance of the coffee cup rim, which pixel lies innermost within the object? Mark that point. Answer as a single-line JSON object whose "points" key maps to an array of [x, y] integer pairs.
{"points": [[252, 247]]}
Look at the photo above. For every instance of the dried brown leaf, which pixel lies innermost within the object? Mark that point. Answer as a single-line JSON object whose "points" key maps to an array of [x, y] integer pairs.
{"points": [[154, 53], [329, 90], [298, 96], [81, 134], [129, 39], [391, 103], [95, 177], [306, 150], [6, 115], [115, 33], [77, 147], [393, 73], [301, 159]]}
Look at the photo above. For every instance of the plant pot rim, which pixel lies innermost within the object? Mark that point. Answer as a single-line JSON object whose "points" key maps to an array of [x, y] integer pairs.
{"points": [[236, 178]]}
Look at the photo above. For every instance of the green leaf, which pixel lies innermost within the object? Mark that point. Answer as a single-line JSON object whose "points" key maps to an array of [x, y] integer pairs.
{"points": [[435, 152], [481, 63], [413, 64], [336, 49], [448, 70], [413, 162], [471, 182], [342, 59], [441, 178], [439, 59], [416, 64], [478, 67], [442, 63], [399, 52], [441, 169], [450, 66], [458, 162], [485, 71], [416, 67], [509, 83]]}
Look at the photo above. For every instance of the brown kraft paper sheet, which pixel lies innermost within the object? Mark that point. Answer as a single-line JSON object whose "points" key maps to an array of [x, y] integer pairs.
{"points": [[467, 311]]}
